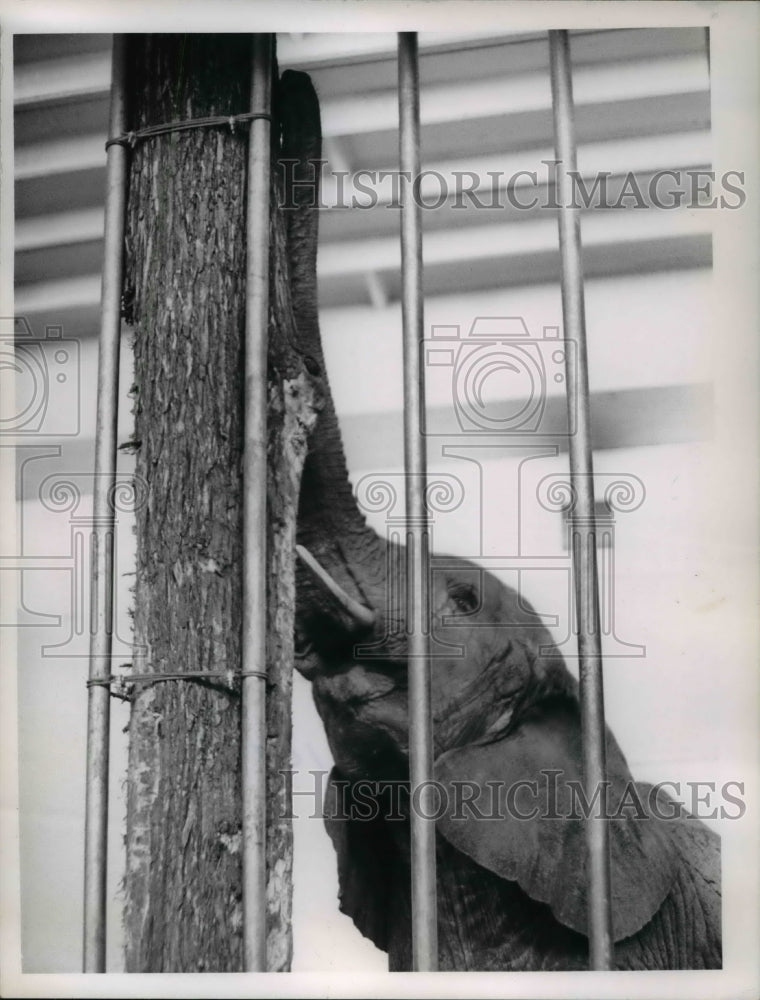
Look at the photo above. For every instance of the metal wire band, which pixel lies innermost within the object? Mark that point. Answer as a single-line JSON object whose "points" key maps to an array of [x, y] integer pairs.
{"points": [[192, 676], [130, 139]]}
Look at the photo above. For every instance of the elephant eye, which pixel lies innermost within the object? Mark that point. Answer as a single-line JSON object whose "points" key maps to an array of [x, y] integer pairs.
{"points": [[463, 596]]}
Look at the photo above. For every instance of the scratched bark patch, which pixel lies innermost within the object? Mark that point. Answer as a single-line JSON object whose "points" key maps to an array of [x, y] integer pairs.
{"points": [[185, 285]]}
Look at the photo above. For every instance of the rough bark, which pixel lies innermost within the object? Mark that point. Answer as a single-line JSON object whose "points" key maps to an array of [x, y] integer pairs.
{"points": [[185, 284]]}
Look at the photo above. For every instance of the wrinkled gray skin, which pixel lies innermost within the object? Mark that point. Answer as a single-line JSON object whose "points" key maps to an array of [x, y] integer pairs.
{"points": [[511, 893]]}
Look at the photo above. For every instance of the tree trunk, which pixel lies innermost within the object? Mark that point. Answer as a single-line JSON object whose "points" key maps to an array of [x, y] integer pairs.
{"points": [[185, 285]]}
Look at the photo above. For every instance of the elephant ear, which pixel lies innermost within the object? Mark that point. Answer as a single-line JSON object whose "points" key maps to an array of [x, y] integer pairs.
{"points": [[366, 860], [545, 853]]}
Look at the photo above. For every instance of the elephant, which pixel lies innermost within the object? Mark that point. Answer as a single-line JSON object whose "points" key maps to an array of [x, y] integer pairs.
{"points": [[511, 882]]}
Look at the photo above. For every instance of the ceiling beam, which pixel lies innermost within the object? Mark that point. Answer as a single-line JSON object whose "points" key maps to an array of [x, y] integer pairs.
{"points": [[310, 51], [59, 229], [68, 79], [615, 228], [520, 93], [60, 156], [62, 294], [317, 51], [629, 418], [472, 100], [87, 74], [536, 237], [688, 150], [378, 294], [619, 158]]}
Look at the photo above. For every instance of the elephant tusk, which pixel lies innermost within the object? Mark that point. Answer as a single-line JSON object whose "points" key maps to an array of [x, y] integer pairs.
{"points": [[361, 615]]}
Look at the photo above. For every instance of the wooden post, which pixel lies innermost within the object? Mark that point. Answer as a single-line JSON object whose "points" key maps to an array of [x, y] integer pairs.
{"points": [[186, 271]]}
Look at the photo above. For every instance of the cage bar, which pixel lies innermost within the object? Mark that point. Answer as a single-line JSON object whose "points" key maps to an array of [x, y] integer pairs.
{"points": [[102, 568], [583, 526], [254, 514], [424, 907]]}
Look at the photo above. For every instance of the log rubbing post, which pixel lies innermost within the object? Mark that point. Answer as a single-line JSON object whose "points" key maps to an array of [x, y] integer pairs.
{"points": [[185, 300]]}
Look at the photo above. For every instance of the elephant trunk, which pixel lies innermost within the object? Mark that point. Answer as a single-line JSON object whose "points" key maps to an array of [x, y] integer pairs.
{"points": [[330, 525]]}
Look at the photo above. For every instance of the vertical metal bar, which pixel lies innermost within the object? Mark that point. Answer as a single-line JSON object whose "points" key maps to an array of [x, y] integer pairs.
{"points": [[254, 514], [101, 594], [583, 525], [424, 908]]}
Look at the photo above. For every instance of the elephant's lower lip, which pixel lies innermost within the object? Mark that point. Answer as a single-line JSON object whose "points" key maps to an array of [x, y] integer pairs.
{"points": [[357, 685], [375, 696]]}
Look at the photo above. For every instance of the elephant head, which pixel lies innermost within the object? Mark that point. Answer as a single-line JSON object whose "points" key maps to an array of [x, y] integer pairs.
{"points": [[508, 761], [506, 721]]}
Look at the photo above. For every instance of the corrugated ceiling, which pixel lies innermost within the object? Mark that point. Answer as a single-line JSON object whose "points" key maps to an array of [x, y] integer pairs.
{"points": [[642, 100]]}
